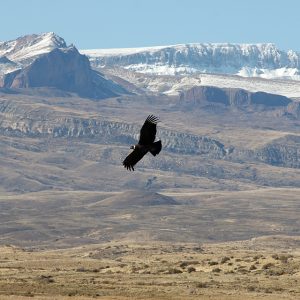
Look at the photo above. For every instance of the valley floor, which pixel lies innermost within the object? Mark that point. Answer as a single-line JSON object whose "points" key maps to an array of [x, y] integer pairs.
{"points": [[260, 268]]}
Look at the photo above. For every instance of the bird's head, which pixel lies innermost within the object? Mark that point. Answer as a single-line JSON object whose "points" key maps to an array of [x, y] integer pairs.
{"points": [[132, 147]]}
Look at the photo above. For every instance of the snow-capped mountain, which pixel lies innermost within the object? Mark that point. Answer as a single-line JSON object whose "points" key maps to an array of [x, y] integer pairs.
{"points": [[198, 64], [248, 60], [19, 53], [24, 49], [46, 61]]}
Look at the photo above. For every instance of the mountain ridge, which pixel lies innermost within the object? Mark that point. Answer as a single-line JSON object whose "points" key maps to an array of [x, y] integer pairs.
{"points": [[193, 62], [248, 60], [24, 49], [262, 60]]}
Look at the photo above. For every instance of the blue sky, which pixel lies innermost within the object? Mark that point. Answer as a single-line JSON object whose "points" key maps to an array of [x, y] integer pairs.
{"points": [[136, 23]]}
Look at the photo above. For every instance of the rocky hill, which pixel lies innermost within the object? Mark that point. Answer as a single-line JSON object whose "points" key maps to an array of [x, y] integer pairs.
{"points": [[21, 120], [64, 69], [45, 61], [281, 152], [135, 198]]}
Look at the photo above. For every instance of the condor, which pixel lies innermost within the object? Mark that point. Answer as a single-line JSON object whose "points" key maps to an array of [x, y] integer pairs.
{"points": [[146, 143]]}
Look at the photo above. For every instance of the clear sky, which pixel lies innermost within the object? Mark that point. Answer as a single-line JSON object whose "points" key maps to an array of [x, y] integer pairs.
{"points": [[93, 24]]}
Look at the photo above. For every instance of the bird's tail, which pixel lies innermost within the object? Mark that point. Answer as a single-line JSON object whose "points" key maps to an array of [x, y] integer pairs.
{"points": [[155, 148]]}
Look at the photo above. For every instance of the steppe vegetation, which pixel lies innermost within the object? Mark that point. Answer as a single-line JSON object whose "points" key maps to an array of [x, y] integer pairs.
{"points": [[262, 268]]}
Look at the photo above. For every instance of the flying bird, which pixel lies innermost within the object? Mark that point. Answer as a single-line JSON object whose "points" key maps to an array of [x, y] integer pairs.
{"points": [[146, 143]]}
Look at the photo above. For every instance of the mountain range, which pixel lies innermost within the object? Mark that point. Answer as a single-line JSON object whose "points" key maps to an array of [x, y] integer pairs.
{"points": [[192, 76], [248, 60], [45, 60]]}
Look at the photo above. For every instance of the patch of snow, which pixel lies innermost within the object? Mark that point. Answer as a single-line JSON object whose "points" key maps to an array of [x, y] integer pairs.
{"points": [[288, 88], [7, 66], [160, 69], [280, 73], [173, 85], [119, 51], [26, 48], [5, 69]]}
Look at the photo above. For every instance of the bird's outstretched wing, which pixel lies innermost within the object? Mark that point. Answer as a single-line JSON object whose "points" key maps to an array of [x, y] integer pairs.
{"points": [[148, 131], [136, 155]]}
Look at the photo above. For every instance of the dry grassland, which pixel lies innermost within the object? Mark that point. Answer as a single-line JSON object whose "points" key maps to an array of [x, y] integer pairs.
{"points": [[262, 268]]}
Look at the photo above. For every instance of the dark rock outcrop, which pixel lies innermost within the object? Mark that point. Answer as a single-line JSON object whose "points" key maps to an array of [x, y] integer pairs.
{"points": [[293, 109], [231, 97], [282, 152], [5, 60]]}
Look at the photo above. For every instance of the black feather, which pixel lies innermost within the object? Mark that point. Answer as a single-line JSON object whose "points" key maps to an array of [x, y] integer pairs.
{"points": [[148, 131], [145, 144], [135, 156]]}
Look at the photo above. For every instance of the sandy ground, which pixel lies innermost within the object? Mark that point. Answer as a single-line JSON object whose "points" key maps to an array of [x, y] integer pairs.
{"points": [[263, 268]]}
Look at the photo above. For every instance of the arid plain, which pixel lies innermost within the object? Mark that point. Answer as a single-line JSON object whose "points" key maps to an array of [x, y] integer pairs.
{"points": [[260, 268]]}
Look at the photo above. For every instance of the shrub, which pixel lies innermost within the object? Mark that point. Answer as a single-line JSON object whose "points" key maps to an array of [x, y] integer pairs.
{"points": [[267, 266], [251, 288], [187, 263], [284, 258], [202, 285], [216, 270], [224, 259], [174, 271], [275, 256], [212, 263], [191, 269]]}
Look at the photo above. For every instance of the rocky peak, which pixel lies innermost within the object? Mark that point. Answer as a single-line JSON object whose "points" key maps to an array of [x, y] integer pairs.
{"points": [[65, 69], [26, 48], [49, 39], [45, 61]]}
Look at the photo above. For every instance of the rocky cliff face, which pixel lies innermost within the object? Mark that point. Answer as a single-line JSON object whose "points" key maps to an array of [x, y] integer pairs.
{"points": [[46, 61], [293, 109], [65, 69], [17, 121], [249, 60], [22, 121], [283, 152], [232, 97]]}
